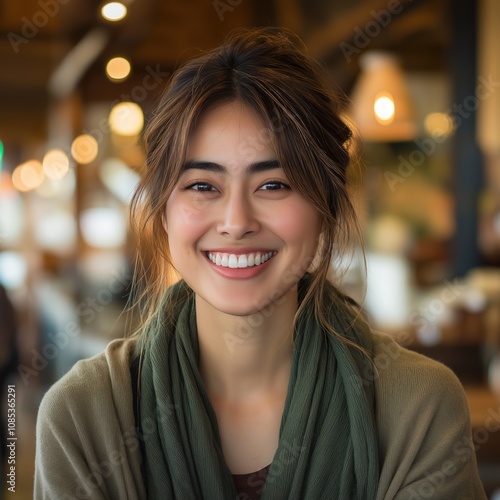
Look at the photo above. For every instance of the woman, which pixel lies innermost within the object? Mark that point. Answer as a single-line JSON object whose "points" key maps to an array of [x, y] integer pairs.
{"points": [[253, 376]]}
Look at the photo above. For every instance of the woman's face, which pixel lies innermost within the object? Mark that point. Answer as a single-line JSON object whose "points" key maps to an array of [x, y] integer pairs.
{"points": [[238, 234]]}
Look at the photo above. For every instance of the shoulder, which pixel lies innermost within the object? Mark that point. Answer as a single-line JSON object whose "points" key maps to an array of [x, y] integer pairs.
{"points": [[402, 373], [423, 426], [414, 391], [92, 385], [86, 430]]}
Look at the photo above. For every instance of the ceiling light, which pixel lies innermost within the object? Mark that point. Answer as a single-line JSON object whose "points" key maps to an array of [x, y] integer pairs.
{"points": [[126, 118], [84, 149], [382, 107], [118, 68], [113, 11], [55, 164], [28, 175]]}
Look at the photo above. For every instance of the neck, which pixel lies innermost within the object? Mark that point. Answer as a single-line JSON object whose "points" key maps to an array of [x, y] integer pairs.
{"points": [[245, 356]]}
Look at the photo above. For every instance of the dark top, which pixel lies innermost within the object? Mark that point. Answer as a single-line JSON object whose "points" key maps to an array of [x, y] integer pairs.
{"points": [[248, 486]]}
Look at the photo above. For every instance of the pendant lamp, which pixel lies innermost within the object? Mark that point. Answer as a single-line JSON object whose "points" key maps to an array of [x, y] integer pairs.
{"points": [[381, 105]]}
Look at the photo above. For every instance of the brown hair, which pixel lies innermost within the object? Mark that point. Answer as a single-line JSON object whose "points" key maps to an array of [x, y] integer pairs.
{"points": [[267, 70]]}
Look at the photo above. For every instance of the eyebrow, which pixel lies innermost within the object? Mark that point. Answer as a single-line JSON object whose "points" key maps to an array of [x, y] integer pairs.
{"points": [[260, 166]]}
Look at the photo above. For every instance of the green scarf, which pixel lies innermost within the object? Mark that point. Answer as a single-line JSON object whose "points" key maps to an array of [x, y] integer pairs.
{"points": [[328, 443]]}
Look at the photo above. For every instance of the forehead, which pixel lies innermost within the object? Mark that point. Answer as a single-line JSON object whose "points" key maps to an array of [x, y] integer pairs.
{"points": [[230, 134]]}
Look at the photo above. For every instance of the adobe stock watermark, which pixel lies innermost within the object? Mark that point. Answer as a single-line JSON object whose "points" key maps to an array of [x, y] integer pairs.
{"points": [[420, 319], [153, 79], [254, 144], [463, 451], [389, 352], [433, 482], [427, 146], [247, 324], [31, 27], [223, 6], [363, 36], [60, 340]]}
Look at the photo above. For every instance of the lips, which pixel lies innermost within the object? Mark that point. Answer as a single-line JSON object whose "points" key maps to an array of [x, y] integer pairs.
{"points": [[240, 261]]}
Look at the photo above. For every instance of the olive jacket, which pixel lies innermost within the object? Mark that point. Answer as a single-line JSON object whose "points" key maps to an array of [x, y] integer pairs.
{"points": [[88, 448]]}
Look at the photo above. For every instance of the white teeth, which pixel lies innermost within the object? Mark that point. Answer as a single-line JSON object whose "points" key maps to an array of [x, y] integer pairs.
{"points": [[239, 261], [233, 261]]}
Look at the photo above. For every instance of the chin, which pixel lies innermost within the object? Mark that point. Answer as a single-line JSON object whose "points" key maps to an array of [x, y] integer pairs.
{"points": [[233, 308], [239, 304]]}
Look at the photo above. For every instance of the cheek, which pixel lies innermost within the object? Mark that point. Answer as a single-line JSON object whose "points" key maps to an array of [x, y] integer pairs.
{"points": [[180, 213], [184, 222], [300, 224]]}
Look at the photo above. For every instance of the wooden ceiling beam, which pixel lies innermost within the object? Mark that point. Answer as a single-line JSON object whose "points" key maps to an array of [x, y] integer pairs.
{"points": [[341, 28]]}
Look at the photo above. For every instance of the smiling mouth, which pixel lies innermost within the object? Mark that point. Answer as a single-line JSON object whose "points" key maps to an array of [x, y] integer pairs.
{"points": [[242, 261]]}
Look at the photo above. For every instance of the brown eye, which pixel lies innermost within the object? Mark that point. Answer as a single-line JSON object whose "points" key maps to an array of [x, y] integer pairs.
{"points": [[274, 186], [201, 186]]}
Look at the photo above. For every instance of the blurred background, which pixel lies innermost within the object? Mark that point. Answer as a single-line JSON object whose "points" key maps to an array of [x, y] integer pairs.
{"points": [[78, 80]]}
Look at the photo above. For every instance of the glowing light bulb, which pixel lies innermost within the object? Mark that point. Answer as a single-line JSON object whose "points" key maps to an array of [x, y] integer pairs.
{"points": [[55, 164], [118, 68], [28, 176], [113, 11], [84, 149], [384, 108], [126, 118]]}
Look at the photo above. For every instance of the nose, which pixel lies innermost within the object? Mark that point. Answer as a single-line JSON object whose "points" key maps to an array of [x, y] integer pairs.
{"points": [[237, 218]]}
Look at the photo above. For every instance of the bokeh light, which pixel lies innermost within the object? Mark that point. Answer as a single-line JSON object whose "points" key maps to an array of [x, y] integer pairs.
{"points": [[28, 176], [438, 124], [113, 11], [118, 68], [103, 227], [126, 118], [56, 231], [5, 182], [13, 269], [384, 108], [84, 149], [55, 164]]}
